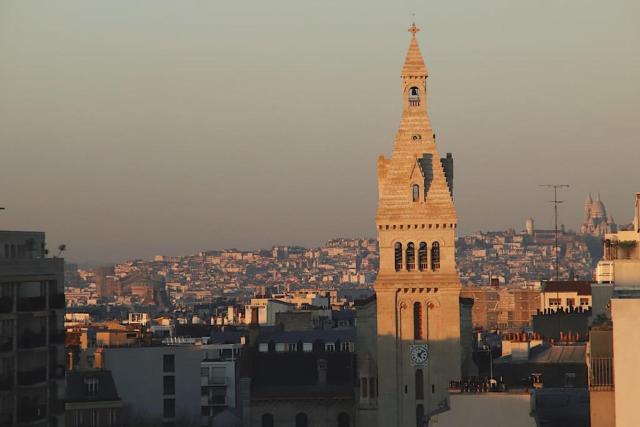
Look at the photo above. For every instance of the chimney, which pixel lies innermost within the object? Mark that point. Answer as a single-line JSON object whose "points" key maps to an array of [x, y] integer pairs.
{"points": [[322, 372], [506, 347]]}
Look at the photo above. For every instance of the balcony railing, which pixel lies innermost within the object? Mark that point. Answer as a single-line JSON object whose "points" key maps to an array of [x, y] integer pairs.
{"points": [[601, 373], [32, 377], [6, 304], [57, 301], [28, 413], [32, 340], [32, 304]]}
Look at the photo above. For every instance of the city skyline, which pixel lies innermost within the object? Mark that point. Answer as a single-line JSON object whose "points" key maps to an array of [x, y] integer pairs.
{"points": [[139, 123]]}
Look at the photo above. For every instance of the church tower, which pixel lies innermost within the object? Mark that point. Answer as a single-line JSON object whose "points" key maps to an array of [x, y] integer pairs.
{"points": [[417, 288]]}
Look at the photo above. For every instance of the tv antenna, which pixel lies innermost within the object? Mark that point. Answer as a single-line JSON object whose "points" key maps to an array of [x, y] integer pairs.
{"points": [[556, 202]]}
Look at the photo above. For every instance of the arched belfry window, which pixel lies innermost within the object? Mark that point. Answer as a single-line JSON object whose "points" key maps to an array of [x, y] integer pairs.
{"points": [[411, 256], [415, 192], [419, 384], [422, 257], [435, 256], [414, 96], [398, 256], [417, 321]]}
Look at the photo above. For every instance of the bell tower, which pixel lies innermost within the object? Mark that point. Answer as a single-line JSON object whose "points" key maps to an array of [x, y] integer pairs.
{"points": [[417, 288]]}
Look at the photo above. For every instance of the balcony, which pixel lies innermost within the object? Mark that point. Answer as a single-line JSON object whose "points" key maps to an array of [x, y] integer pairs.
{"points": [[6, 304], [56, 301], [605, 272], [6, 344], [56, 371], [56, 337], [213, 382], [6, 383], [57, 406], [29, 413], [32, 377], [32, 304], [601, 374], [32, 340], [6, 419]]}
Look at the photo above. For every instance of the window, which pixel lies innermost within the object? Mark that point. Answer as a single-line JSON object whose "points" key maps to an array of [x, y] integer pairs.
{"points": [[435, 256], [420, 416], [267, 420], [422, 257], [415, 192], [372, 387], [168, 363], [218, 375], [364, 387], [411, 256], [570, 379], [554, 301], [571, 302], [398, 256], [584, 301], [204, 372], [343, 419], [169, 384], [419, 379], [417, 321], [91, 385], [330, 347], [414, 96], [169, 408], [302, 420]]}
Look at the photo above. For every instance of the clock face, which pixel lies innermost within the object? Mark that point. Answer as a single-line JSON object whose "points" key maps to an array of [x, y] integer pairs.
{"points": [[419, 354]]}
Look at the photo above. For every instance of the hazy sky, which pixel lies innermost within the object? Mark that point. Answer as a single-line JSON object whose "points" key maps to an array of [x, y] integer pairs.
{"points": [[130, 128]]}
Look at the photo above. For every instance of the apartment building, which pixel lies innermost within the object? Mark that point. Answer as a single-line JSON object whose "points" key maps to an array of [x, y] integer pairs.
{"points": [[32, 356]]}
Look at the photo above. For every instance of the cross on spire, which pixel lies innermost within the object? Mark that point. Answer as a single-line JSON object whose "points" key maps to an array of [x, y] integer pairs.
{"points": [[413, 29]]}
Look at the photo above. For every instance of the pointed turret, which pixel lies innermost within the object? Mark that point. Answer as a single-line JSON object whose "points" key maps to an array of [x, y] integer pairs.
{"points": [[415, 183], [414, 63]]}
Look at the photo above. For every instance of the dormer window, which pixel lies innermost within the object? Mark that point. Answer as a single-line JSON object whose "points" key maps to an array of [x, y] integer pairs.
{"points": [[91, 385], [415, 189], [414, 97]]}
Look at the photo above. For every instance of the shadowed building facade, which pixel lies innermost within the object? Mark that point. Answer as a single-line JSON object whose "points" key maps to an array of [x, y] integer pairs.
{"points": [[416, 350]]}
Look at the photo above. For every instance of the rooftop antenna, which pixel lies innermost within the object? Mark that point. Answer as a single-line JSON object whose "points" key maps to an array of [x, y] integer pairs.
{"points": [[556, 202]]}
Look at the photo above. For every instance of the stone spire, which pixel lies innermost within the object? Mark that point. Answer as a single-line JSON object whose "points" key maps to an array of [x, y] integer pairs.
{"points": [[415, 159], [414, 63]]}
